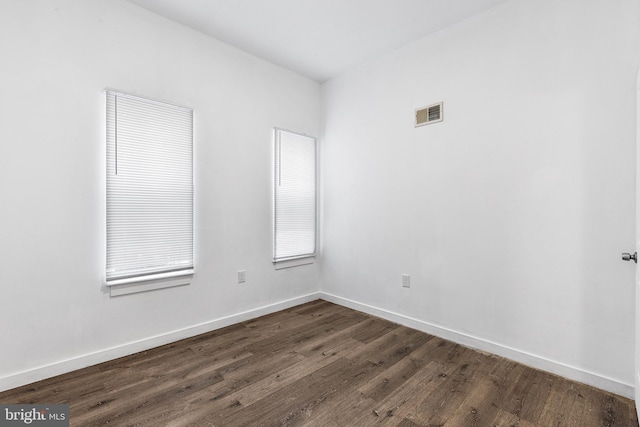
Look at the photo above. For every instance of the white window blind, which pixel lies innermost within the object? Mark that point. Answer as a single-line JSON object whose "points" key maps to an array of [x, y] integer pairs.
{"points": [[149, 189], [294, 196]]}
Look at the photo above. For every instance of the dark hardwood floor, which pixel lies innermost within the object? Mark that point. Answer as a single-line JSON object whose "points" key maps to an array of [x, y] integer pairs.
{"points": [[323, 365]]}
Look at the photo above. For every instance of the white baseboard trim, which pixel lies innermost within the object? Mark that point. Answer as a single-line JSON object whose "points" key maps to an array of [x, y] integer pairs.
{"points": [[590, 378], [64, 366]]}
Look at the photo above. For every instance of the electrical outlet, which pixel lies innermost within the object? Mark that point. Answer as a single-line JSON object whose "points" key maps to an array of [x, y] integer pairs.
{"points": [[406, 281], [241, 276]]}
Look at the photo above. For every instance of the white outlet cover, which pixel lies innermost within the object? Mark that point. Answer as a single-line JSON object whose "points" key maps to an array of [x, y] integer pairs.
{"points": [[406, 281]]}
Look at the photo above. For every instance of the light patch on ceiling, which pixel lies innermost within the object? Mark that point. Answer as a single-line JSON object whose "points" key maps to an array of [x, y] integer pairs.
{"points": [[317, 38]]}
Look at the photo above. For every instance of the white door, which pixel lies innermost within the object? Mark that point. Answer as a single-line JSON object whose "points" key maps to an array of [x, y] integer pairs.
{"points": [[637, 333]]}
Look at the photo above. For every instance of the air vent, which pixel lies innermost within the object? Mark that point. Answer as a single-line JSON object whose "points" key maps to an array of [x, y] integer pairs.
{"points": [[428, 115]]}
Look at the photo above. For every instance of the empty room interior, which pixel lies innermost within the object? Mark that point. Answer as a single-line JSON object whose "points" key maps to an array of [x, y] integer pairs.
{"points": [[470, 185]]}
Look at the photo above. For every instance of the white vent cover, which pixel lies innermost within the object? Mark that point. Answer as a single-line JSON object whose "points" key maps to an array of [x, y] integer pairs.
{"points": [[428, 115]]}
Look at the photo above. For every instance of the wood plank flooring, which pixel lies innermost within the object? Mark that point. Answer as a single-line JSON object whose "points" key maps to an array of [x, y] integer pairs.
{"points": [[322, 365]]}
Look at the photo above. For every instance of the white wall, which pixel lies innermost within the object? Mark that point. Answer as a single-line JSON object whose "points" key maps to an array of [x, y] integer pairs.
{"points": [[56, 59], [509, 216]]}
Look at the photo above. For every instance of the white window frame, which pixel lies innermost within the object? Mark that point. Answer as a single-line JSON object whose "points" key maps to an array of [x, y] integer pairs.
{"points": [[290, 250], [149, 187]]}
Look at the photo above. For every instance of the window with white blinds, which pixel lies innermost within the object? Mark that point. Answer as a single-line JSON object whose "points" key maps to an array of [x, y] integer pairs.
{"points": [[295, 201], [149, 189]]}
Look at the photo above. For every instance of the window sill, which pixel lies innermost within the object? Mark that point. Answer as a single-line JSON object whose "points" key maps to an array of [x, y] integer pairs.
{"points": [[148, 285], [279, 265]]}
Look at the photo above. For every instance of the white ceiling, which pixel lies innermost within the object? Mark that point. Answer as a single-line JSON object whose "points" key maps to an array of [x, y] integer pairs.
{"points": [[317, 38]]}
